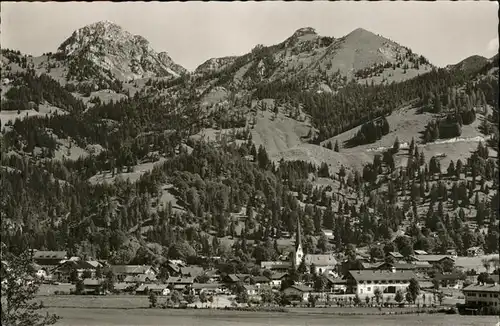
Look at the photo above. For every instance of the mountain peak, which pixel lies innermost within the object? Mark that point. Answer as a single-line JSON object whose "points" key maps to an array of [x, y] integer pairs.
{"points": [[112, 48], [304, 31], [361, 32]]}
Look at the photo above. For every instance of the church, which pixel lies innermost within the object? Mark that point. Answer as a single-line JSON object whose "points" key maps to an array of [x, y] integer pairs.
{"points": [[323, 263]]}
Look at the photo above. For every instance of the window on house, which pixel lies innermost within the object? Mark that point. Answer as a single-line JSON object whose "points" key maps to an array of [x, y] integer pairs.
{"points": [[369, 289]]}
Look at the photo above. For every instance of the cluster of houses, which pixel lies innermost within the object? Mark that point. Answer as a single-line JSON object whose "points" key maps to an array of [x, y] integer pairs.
{"points": [[387, 276]]}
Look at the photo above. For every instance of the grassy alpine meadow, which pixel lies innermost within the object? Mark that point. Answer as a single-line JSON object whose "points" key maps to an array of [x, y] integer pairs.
{"points": [[193, 317]]}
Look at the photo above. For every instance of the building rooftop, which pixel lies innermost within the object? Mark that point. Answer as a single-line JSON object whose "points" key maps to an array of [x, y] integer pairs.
{"points": [[42, 254], [302, 288], [260, 279], [207, 285], [130, 269], [482, 288], [278, 276], [432, 258], [396, 254], [320, 260], [192, 271], [180, 280], [381, 275]]}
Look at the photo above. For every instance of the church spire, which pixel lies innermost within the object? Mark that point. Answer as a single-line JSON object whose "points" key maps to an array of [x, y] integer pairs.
{"points": [[298, 236]]}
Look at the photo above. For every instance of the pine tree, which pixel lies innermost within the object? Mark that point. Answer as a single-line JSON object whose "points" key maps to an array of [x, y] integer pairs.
{"points": [[451, 169], [336, 148]]}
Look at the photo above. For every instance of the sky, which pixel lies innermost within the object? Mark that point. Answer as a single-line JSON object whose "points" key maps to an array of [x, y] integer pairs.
{"points": [[444, 32]]}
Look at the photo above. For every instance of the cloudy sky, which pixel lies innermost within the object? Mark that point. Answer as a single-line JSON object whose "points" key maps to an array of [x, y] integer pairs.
{"points": [[444, 32]]}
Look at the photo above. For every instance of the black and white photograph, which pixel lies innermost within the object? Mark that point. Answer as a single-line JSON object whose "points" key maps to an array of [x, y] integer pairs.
{"points": [[271, 163]]}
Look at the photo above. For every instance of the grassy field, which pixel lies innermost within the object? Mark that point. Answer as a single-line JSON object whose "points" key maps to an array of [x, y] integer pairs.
{"points": [[104, 317]]}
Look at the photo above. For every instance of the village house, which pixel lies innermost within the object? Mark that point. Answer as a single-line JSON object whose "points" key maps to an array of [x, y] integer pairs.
{"points": [[298, 292], [245, 278], [122, 271], [433, 259], [364, 282], [64, 272], [276, 279], [337, 285], [192, 271], [93, 286], [45, 258], [422, 267], [141, 278], [207, 288], [231, 279], [450, 280], [260, 280], [396, 256], [159, 289], [278, 266], [40, 272], [180, 283], [250, 289], [452, 253], [212, 275], [478, 295], [475, 251], [420, 252]]}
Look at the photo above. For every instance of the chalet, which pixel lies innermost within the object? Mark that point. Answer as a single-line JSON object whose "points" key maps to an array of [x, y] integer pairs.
{"points": [[141, 278], [433, 259], [122, 271], [422, 267], [328, 233], [396, 255], [450, 280], [245, 278], [40, 272], [212, 275], [93, 286], [371, 266], [337, 285], [250, 289], [208, 288], [475, 251], [282, 266], [173, 269], [159, 289], [64, 271], [478, 295], [277, 278], [452, 253], [44, 258], [260, 280], [322, 263], [298, 292], [123, 287], [364, 282], [180, 283], [231, 279], [191, 271]]}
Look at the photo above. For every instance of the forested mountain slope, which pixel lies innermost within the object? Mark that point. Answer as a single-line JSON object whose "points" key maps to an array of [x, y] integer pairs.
{"points": [[134, 164]]}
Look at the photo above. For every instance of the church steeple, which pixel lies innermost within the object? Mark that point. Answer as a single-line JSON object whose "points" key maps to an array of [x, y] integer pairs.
{"points": [[299, 253], [298, 236]]}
